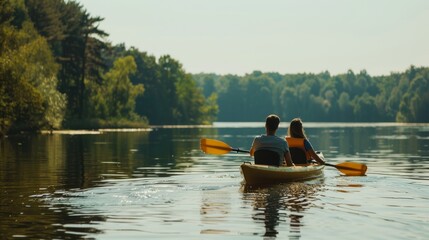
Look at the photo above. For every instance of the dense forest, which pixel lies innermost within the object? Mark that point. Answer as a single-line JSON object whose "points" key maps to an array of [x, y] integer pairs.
{"points": [[57, 70], [349, 97]]}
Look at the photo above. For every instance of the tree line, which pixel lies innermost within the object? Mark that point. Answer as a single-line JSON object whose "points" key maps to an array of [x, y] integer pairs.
{"points": [[57, 70], [349, 97]]}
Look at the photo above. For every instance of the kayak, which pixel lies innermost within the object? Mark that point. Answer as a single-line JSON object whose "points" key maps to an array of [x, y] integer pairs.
{"points": [[263, 174], [255, 174]]}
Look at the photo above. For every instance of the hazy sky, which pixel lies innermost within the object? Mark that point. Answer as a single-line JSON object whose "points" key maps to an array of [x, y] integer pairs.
{"points": [[285, 36]]}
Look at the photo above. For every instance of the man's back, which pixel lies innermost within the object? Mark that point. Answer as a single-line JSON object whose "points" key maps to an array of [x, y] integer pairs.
{"points": [[271, 143]]}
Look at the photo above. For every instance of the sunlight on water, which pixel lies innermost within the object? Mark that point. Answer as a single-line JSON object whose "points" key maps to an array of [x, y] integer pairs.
{"points": [[158, 184], [217, 205]]}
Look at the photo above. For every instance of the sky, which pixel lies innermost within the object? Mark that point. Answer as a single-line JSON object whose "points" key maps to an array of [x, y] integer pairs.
{"points": [[284, 36]]}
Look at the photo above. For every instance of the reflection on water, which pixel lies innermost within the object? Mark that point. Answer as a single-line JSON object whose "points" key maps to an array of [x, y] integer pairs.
{"points": [[152, 184], [35, 166], [282, 203]]}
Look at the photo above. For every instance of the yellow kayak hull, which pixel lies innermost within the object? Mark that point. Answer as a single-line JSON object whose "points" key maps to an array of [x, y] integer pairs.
{"points": [[255, 174]]}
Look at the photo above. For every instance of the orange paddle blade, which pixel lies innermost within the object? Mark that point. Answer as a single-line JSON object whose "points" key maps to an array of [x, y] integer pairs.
{"points": [[211, 146], [352, 168]]}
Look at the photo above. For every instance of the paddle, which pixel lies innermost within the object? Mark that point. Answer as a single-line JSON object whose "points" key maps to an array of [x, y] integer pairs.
{"points": [[350, 168], [211, 146]]}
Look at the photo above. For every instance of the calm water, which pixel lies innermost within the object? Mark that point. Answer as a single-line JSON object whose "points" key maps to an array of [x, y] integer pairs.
{"points": [[158, 184]]}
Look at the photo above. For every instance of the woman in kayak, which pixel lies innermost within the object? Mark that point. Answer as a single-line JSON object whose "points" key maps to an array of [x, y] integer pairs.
{"points": [[300, 148]]}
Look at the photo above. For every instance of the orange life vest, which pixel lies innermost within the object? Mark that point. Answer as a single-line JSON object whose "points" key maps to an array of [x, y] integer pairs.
{"points": [[298, 143]]}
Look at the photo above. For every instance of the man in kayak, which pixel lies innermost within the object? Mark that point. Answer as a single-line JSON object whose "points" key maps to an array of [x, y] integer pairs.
{"points": [[269, 149]]}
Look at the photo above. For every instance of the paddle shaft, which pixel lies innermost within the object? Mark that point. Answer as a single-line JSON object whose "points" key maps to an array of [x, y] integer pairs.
{"points": [[239, 150], [335, 166]]}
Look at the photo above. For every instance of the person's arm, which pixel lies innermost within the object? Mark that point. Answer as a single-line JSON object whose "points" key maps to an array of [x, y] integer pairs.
{"points": [[309, 148], [316, 157], [288, 159], [252, 148]]}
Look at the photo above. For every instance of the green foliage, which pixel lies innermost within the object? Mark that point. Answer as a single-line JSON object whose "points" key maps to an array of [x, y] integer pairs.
{"points": [[230, 98], [45, 16], [190, 102], [206, 82], [55, 66], [259, 96], [171, 96], [29, 99], [115, 98], [120, 92], [413, 105], [346, 97], [209, 110], [76, 42], [147, 74], [41, 72]]}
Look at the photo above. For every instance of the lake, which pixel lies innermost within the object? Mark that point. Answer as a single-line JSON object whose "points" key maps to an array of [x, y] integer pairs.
{"points": [[147, 184]]}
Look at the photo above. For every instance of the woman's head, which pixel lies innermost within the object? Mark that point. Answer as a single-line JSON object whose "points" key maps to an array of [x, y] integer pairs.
{"points": [[295, 129]]}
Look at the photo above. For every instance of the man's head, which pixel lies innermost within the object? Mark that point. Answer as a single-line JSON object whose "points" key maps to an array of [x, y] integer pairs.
{"points": [[272, 123]]}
